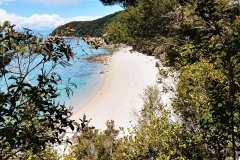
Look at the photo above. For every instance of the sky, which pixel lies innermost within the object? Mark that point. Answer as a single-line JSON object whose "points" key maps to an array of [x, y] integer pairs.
{"points": [[49, 14]]}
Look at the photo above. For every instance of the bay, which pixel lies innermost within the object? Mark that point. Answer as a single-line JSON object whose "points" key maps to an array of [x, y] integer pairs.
{"points": [[86, 75]]}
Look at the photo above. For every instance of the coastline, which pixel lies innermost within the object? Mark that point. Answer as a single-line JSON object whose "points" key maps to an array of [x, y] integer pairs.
{"points": [[78, 104], [125, 79]]}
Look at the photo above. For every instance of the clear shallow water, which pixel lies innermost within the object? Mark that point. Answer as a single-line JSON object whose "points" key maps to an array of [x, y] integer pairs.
{"points": [[84, 74]]}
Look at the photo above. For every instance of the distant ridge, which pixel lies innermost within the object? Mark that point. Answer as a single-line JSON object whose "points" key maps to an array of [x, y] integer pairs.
{"points": [[93, 28]]}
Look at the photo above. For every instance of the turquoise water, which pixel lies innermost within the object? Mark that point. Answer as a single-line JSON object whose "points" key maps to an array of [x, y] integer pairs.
{"points": [[84, 74]]}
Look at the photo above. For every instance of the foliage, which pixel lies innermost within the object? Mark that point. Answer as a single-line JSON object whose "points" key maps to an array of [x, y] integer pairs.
{"points": [[117, 30], [92, 144], [48, 154], [29, 117], [208, 91], [143, 26], [201, 40], [93, 28], [123, 3], [154, 136], [157, 136]]}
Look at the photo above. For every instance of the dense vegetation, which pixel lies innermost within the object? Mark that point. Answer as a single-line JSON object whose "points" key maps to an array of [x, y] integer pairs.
{"points": [[197, 39], [31, 119], [93, 28], [200, 40], [123, 3]]}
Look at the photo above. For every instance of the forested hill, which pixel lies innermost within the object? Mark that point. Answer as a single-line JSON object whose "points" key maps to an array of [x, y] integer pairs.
{"points": [[93, 28]]}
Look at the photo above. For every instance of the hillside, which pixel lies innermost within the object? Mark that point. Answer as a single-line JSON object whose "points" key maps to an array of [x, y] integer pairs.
{"points": [[93, 28]]}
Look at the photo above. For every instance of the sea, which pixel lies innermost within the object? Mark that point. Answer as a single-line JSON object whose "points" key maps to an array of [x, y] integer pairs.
{"points": [[86, 75]]}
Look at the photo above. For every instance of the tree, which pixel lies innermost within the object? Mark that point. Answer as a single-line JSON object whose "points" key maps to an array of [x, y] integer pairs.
{"points": [[123, 3], [93, 144], [157, 136], [48, 154], [29, 117], [93, 28], [208, 90], [144, 27], [202, 43]]}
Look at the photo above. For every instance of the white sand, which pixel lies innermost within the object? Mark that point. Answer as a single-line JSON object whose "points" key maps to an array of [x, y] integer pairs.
{"points": [[126, 77]]}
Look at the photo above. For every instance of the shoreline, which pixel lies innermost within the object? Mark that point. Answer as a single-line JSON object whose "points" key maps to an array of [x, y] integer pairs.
{"points": [[124, 80], [79, 104]]}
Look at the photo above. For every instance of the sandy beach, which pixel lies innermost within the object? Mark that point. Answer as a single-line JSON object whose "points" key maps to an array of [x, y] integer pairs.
{"points": [[125, 79]]}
